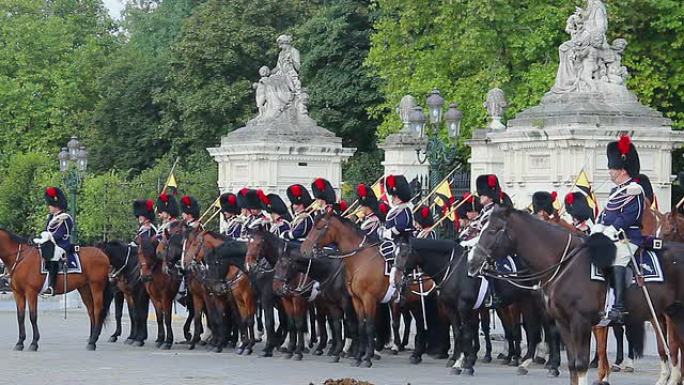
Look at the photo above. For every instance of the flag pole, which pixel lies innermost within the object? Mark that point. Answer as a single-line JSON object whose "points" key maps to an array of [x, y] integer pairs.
{"points": [[351, 206], [435, 189], [173, 168], [209, 208]]}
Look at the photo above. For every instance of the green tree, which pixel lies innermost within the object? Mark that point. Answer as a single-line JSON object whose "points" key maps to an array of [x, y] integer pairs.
{"points": [[334, 43]]}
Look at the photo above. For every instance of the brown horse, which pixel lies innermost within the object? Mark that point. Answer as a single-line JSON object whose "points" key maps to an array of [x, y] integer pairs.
{"points": [[364, 268], [161, 286], [23, 262], [561, 261]]}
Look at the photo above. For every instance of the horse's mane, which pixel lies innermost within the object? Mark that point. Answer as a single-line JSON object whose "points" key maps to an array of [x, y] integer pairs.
{"points": [[345, 221], [217, 235], [14, 237], [230, 252], [148, 247]]}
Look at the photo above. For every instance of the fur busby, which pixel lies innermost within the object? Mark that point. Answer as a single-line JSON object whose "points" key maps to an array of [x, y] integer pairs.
{"points": [[488, 185], [472, 204], [144, 208], [623, 155], [543, 200], [505, 200], [341, 206], [56, 198], [424, 217], [190, 206], [645, 184], [256, 200], [277, 205], [229, 203], [383, 209], [322, 189], [397, 185], [242, 198], [298, 194], [577, 206], [366, 197], [167, 204]]}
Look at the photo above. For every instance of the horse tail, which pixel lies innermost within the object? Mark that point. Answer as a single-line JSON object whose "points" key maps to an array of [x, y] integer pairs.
{"points": [[636, 334], [107, 297], [601, 250], [383, 328]]}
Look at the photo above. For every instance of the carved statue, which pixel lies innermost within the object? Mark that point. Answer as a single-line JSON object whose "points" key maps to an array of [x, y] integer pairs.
{"points": [[496, 106], [587, 62], [406, 106]]}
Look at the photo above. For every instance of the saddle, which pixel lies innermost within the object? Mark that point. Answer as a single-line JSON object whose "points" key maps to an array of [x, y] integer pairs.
{"points": [[72, 261], [649, 267], [388, 250]]}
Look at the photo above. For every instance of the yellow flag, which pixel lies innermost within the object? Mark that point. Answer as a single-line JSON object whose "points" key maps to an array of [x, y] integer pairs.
{"points": [[444, 190], [171, 184], [217, 203], [584, 186], [379, 190]]}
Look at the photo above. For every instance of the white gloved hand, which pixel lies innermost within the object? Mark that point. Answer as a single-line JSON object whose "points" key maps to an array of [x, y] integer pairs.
{"points": [[386, 234], [42, 238], [597, 228]]}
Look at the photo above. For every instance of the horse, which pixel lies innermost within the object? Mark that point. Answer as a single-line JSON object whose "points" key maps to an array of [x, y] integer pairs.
{"points": [[23, 261], [364, 268], [269, 247], [126, 276], [561, 260], [161, 286], [224, 277]]}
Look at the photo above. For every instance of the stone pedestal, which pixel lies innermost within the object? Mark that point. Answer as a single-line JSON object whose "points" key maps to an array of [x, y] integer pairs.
{"points": [[274, 154], [400, 156], [545, 147]]}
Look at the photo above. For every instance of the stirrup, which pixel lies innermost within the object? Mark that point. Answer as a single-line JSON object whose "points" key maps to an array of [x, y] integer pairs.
{"points": [[49, 292]]}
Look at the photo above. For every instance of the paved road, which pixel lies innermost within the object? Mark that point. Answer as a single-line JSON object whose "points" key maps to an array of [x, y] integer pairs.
{"points": [[62, 359]]}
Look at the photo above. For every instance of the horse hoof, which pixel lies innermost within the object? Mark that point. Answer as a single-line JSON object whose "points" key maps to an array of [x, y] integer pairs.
{"points": [[334, 359], [191, 346], [394, 352], [402, 348], [366, 363], [90, 346], [514, 362], [247, 352], [540, 360], [298, 357], [158, 344], [239, 351], [288, 356], [167, 346], [615, 369], [306, 351], [553, 373], [628, 369], [19, 347], [138, 343], [282, 349], [377, 357], [356, 363], [456, 371], [318, 352], [468, 372], [201, 343], [450, 363], [112, 339], [486, 359], [506, 362], [266, 354], [129, 341], [522, 371], [34, 347], [415, 360], [502, 356]]}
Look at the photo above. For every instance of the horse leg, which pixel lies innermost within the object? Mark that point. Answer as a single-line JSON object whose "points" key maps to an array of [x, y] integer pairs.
{"points": [[133, 316], [370, 309], [267, 307], [469, 334], [98, 290], [581, 335], [407, 317], [517, 336], [533, 329], [553, 339], [665, 368], [159, 313], [396, 322], [601, 336], [32, 297], [619, 333], [87, 298], [118, 312], [420, 341], [300, 325], [168, 307], [313, 316], [261, 313], [485, 323], [566, 337], [20, 301], [190, 306], [335, 320], [675, 347], [321, 313], [198, 307], [142, 310]]}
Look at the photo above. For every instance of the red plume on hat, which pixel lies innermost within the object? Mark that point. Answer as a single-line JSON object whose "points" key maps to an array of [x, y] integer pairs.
{"points": [[186, 200], [624, 145], [164, 197], [391, 182], [383, 207], [296, 190], [320, 184], [570, 199], [361, 190], [149, 204], [425, 212], [263, 198], [343, 205], [554, 196], [492, 181], [232, 200], [51, 192]]}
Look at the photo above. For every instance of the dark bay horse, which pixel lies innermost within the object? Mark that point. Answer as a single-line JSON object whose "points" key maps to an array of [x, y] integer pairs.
{"points": [[364, 269], [562, 261], [126, 276], [161, 286], [23, 262]]}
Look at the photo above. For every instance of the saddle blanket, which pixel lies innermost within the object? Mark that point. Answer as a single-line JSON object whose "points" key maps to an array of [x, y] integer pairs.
{"points": [[649, 264], [506, 265], [73, 264]]}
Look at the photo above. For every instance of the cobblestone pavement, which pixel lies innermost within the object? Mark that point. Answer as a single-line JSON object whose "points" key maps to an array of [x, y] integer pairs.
{"points": [[62, 359]]}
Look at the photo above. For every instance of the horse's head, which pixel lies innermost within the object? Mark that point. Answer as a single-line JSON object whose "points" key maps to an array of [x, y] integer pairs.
{"points": [[495, 241], [217, 269], [284, 272], [147, 256], [255, 248], [322, 234], [194, 247], [170, 247]]}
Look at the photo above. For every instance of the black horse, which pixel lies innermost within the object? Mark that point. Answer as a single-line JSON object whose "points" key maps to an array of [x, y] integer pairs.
{"points": [[125, 276]]}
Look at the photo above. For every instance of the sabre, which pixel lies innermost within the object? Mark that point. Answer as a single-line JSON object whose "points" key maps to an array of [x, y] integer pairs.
{"points": [[66, 261], [422, 297], [655, 322], [435, 190]]}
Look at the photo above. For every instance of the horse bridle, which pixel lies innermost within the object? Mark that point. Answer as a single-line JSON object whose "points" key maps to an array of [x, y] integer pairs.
{"points": [[128, 255], [320, 252]]}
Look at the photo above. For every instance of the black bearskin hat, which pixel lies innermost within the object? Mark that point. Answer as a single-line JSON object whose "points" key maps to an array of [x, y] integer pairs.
{"points": [[276, 205], [577, 206], [506, 201], [488, 185], [396, 185], [322, 189], [144, 208], [229, 203], [366, 197], [298, 194], [242, 198], [56, 198], [167, 203], [543, 200], [255, 200], [472, 204], [645, 184], [424, 217], [190, 206], [623, 155]]}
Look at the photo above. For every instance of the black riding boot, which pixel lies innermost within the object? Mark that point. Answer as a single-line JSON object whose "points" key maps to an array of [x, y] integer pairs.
{"points": [[52, 268], [615, 315]]}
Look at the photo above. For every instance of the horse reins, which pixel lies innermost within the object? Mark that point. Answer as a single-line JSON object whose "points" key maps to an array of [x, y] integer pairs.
{"points": [[128, 254]]}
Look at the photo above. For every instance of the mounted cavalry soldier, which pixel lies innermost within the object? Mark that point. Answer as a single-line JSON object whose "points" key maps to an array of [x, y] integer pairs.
{"points": [[621, 218], [280, 215], [399, 221], [143, 210], [55, 241], [254, 208], [167, 210], [424, 221], [577, 206], [542, 205], [190, 211], [368, 208], [231, 214], [303, 222], [489, 191], [324, 195], [467, 213]]}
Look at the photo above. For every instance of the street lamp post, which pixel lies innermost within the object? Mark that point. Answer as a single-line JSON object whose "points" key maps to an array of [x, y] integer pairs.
{"points": [[73, 161], [440, 154]]}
